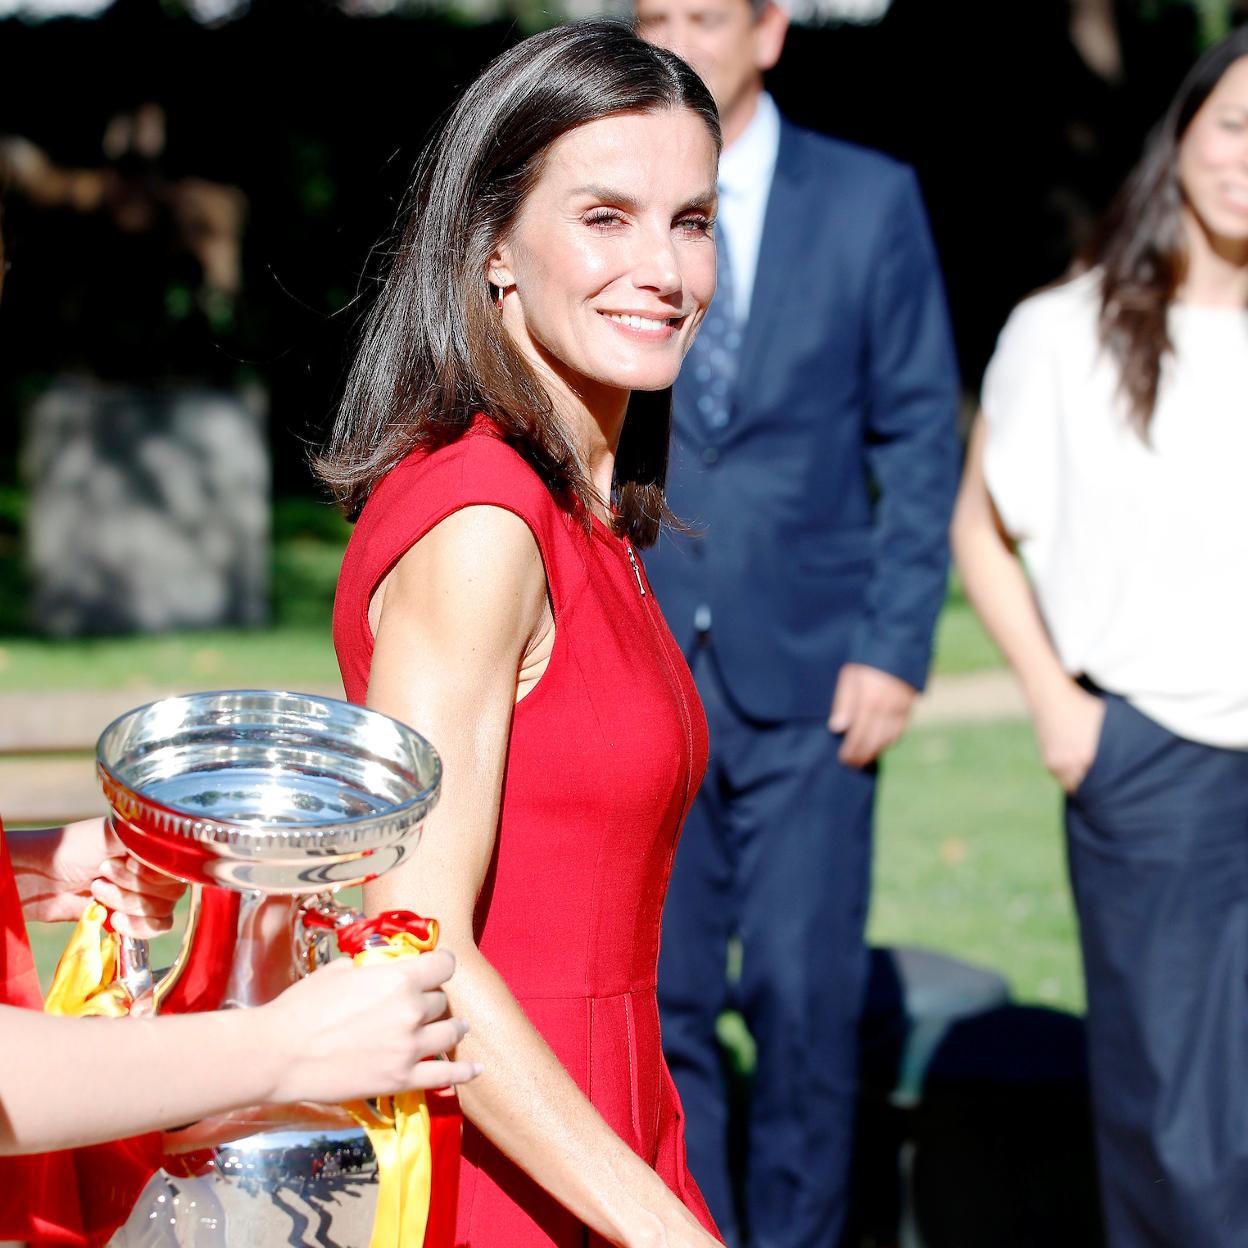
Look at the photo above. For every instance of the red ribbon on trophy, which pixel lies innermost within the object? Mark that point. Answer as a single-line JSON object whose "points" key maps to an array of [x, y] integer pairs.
{"points": [[416, 1136]]}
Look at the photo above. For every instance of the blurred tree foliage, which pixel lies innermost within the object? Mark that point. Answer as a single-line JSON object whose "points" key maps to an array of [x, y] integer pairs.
{"points": [[316, 116], [1214, 18]]}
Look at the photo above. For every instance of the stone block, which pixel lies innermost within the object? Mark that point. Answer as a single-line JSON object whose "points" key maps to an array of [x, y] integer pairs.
{"points": [[150, 508]]}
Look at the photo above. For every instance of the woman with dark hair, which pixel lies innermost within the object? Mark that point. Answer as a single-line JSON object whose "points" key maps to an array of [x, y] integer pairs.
{"points": [[503, 438], [1112, 451]]}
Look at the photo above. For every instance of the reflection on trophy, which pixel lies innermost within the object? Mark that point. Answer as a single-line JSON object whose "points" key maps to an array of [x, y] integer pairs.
{"points": [[266, 804]]}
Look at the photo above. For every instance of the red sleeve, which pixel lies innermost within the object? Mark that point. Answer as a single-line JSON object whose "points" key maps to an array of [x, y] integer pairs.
{"points": [[425, 488], [39, 1193], [19, 985]]}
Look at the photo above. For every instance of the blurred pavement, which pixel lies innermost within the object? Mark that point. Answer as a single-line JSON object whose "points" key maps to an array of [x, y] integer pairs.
{"points": [[47, 740]]}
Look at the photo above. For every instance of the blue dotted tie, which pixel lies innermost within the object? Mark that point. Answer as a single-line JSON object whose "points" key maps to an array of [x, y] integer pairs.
{"points": [[713, 356]]}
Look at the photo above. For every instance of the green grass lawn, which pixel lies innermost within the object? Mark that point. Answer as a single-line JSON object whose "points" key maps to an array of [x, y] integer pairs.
{"points": [[969, 860], [969, 856], [295, 652]]}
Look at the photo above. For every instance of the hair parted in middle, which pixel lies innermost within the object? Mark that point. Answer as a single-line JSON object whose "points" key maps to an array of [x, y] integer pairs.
{"points": [[433, 351], [1141, 248]]}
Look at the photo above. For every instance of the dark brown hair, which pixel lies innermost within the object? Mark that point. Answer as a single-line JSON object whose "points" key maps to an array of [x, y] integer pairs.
{"points": [[1141, 249], [433, 351]]}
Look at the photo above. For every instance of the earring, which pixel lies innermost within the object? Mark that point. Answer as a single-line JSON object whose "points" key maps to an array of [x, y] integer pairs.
{"points": [[498, 303]]}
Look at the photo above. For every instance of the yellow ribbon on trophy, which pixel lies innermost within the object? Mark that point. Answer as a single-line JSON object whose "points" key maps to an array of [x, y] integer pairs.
{"points": [[415, 1137], [85, 981], [109, 1176]]}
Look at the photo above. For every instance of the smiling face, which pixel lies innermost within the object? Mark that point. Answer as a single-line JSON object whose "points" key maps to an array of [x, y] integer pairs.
{"points": [[610, 265], [1213, 161]]}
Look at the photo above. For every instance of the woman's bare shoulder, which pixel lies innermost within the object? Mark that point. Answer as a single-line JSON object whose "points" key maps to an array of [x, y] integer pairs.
{"points": [[477, 572]]}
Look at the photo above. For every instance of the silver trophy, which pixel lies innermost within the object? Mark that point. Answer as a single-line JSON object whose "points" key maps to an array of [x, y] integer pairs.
{"points": [[266, 804]]}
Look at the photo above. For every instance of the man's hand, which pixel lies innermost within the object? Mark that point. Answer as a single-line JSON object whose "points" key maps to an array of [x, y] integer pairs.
{"points": [[871, 708], [59, 870]]}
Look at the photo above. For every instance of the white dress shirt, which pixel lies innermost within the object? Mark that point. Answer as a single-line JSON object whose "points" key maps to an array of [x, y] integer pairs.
{"points": [[745, 172], [1137, 552]]}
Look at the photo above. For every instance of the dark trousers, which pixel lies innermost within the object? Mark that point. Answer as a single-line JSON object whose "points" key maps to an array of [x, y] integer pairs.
{"points": [[1158, 843], [777, 852]]}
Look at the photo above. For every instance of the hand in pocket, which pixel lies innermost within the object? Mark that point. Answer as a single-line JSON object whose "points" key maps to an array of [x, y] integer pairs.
{"points": [[1068, 727]]}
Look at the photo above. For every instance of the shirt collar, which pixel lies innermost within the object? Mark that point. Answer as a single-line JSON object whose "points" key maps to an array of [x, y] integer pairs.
{"points": [[750, 160]]}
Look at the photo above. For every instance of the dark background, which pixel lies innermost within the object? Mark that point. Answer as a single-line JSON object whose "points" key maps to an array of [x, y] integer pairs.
{"points": [[318, 118]]}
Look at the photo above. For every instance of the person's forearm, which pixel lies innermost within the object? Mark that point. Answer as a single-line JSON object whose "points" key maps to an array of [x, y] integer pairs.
{"points": [[66, 1082], [44, 895], [529, 1106], [1067, 719], [32, 851], [996, 585], [58, 871], [997, 588]]}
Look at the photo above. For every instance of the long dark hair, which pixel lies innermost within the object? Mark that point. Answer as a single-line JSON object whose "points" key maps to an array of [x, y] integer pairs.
{"points": [[1141, 248], [433, 350]]}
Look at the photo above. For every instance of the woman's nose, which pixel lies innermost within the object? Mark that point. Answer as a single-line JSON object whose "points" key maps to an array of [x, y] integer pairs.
{"points": [[656, 267]]}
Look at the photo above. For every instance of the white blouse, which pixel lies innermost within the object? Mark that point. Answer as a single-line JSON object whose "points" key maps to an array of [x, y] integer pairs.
{"points": [[1137, 552]]}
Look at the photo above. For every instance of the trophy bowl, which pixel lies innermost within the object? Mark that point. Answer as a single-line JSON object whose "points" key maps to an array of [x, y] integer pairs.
{"points": [[251, 789], [266, 803]]}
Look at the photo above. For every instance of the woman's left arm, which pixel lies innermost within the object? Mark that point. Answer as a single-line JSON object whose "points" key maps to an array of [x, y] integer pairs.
{"points": [[462, 612], [1067, 718]]}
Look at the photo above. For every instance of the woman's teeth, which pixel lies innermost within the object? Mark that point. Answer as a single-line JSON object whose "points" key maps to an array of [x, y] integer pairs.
{"points": [[636, 322]]}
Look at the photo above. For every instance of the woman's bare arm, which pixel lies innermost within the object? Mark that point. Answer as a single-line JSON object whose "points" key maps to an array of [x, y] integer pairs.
{"points": [[461, 615], [1067, 718], [343, 1033]]}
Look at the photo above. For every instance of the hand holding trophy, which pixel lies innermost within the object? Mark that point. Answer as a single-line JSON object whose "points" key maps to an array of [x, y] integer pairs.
{"points": [[267, 804]]}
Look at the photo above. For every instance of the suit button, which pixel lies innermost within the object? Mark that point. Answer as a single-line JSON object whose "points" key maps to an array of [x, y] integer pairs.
{"points": [[710, 455], [702, 618]]}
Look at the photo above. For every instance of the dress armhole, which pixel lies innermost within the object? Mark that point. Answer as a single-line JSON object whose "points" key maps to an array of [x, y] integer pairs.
{"points": [[419, 494], [485, 473]]}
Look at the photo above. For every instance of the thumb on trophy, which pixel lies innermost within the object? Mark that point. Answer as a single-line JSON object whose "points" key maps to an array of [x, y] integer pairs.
{"points": [[363, 1031]]}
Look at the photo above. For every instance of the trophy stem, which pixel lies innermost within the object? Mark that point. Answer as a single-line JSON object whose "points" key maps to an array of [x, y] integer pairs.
{"points": [[134, 969], [265, 949]]}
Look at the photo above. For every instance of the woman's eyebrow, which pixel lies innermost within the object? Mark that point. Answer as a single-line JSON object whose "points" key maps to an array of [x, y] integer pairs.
{"points": [[706, 201], [620, 199], [623, 199]]}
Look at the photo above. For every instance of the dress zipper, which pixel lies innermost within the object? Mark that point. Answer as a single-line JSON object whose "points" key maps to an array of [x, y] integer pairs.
{"points": [[682, 707], [636, 570]]}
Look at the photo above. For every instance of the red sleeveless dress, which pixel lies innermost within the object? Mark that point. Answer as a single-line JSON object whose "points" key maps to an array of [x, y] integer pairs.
{"points": [[606, 753]]}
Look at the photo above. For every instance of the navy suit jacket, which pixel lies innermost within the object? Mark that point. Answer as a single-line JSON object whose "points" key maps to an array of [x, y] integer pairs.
{"points": [[824, 503]]}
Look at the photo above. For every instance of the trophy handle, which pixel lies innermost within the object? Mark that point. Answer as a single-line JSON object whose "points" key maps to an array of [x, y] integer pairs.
{"points": [[134, 971], [147, 992]]}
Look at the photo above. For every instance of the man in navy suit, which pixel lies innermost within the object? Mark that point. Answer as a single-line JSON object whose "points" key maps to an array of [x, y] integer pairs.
{"points": [[816, 449]]}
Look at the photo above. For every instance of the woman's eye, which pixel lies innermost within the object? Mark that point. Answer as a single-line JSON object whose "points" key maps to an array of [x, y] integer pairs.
{"points": [[602, 217], [694, 225]]}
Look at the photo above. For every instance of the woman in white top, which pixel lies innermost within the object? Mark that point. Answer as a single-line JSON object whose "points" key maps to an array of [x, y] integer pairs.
{"points": [[1113, 453]]}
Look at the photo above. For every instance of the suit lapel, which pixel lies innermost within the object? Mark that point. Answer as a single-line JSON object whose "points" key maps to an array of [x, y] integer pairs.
{"points": [[780, 267]]}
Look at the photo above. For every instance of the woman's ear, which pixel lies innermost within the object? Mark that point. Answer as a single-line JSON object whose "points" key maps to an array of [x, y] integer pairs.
{"points": [[498, 270]]}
